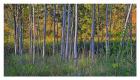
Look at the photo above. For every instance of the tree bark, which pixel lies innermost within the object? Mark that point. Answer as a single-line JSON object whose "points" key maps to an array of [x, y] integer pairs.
{"points": [[44, 38], [20, 29], [63, 31], [107, 35], [31, 32], [68, 30], [54, 28], [75, 37], [15, 28], [33, 36], [93, 33]]}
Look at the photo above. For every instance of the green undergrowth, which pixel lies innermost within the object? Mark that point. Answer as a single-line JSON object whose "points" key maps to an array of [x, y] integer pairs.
{"points": [[15, 65]]}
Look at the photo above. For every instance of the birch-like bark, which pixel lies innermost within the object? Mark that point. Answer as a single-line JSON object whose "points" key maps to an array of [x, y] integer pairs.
{"points": [[15, 27], [126, 21], [75, 37], [68, 28], [44, 37], [20, 29], [107, 35], [63, 31]]}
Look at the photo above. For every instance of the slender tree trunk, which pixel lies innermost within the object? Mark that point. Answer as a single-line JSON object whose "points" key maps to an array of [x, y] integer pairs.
{"points": [[31, 24], [107, 35], [130, 35], [33, 36], [20, 30], [98, 29], [126, 21], [110, 24], [54, 28], [17, 31], [44, 38], [102, 35], [68, 28], [93, 33], [75, 37], [38, 32], [63, 31], [71, 33], [57, 48], [40, 38], [15, 28], [125, 41], [57, 23], [21, 38]]}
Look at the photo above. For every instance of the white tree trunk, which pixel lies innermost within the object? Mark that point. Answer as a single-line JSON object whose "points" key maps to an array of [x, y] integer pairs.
{"points": [[75, 37]]}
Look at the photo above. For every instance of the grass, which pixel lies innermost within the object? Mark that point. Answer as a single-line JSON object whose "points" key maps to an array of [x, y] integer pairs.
{"points": [[15, 65], [118, 63]]}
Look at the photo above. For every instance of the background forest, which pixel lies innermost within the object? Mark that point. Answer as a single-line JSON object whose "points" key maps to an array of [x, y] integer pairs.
{"points": [[69, 39]]}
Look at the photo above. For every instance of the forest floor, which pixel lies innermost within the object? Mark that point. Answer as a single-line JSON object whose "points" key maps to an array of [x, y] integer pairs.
{"points": [[15, 65]]}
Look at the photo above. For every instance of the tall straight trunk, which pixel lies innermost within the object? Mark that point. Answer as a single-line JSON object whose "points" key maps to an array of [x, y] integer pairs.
{"points": [[98, 28], [57, 24], [63, 31], [39, 36], [20, 29], [38, 32], [93, 32], [15, 28], [110, 24], [44, 38], [54, 28], [57, 49], [21, 37], [68, 28], [33, 36], [107, 35], [75, 37], [102, 35], [71, 33]]}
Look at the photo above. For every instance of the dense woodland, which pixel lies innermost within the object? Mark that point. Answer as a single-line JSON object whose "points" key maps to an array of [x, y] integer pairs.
{"points": [[70, 39]]}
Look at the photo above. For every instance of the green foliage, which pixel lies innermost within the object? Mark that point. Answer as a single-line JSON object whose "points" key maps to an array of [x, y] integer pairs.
{"points": [[117, 63], [54, 66]]}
